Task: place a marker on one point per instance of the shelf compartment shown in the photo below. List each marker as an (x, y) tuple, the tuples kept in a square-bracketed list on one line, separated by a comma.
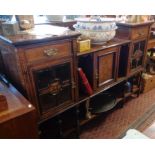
[(123, 60), (102, 103)]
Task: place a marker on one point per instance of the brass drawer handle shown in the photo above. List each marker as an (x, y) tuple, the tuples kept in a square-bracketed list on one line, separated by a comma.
[(141, 33), (51, 52)]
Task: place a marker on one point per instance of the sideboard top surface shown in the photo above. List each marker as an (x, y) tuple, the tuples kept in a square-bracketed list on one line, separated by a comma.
[(112, 43), (126, 24), (17, 104), (40, 34)]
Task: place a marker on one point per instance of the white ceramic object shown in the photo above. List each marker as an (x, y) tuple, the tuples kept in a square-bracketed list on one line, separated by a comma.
[(55, 17), (97, 36), (98, 30)]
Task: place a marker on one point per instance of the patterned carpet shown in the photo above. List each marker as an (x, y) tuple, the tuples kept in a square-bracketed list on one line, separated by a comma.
[(137, 113)]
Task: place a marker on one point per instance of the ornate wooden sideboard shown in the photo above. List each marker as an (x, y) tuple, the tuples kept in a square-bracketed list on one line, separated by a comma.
[(44, 68), (36, 66)]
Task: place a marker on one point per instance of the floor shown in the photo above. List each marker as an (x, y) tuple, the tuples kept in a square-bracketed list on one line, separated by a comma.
[(150, 131), (138, 113)]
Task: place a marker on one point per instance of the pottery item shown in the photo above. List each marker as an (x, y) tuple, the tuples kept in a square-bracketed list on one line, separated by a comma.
[(99, 30), (55, 17)]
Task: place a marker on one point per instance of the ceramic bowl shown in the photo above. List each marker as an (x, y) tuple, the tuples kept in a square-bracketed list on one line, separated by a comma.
[(55, 17), (101, 30), (97, 36)]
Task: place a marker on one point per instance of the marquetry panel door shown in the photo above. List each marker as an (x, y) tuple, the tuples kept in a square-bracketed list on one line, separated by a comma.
[(138, 54), (106, 66), (53, 86)]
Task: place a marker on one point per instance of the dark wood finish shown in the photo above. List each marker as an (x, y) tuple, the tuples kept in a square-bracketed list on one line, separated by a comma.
[(19, 119), (138, 33), (52, 51), (1, 63), (32, 76), (132, 25), (112, 43), (77, 122), (93, 62), (26, 55), (3, 103), (65, 23), (36, 37), (106, 66), (138, 54), (9, 58), (124, 60)]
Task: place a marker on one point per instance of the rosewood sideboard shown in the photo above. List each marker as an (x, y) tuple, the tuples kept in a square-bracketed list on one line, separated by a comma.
[(45, 70)]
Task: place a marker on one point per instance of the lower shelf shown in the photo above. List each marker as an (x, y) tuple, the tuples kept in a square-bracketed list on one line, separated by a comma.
[(85, 114), (118, 100), (102, 103)]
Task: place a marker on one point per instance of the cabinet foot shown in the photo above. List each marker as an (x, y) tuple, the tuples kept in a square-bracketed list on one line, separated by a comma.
[(77, 123), (59, 121)]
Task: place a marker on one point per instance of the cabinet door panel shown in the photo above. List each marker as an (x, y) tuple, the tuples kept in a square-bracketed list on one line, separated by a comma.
[(53, 86), (106, 62), (138, 54), (105, 68)]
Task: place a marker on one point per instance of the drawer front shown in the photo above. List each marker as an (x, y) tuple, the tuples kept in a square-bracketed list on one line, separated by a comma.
[(139, 32), (48, 52)]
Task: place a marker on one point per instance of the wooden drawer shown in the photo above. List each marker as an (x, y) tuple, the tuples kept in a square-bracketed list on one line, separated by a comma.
[(139, 32), (48, 51)]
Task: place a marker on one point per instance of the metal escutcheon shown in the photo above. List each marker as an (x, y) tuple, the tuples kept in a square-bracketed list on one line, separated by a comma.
[(51, 52)]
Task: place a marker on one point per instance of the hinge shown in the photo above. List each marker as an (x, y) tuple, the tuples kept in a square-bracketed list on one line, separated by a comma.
[(73, 85), (97, 76)]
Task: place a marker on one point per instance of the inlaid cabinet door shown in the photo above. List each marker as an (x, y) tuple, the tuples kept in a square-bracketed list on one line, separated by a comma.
[(106, 66), (53, 89), (138, 54)]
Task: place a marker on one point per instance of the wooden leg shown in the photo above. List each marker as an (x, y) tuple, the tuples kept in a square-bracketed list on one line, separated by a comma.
[(88, 113), (124, 97), (60, 126), (139, 84), (77, 122)]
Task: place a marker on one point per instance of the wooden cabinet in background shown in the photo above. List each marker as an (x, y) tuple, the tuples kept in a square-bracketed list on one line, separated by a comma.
[(1, 64), (138, 33), (19, 119), (138, 54)]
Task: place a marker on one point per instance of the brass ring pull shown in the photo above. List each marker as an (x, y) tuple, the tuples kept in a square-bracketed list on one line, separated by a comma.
[(141, 33), (51, 52)]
